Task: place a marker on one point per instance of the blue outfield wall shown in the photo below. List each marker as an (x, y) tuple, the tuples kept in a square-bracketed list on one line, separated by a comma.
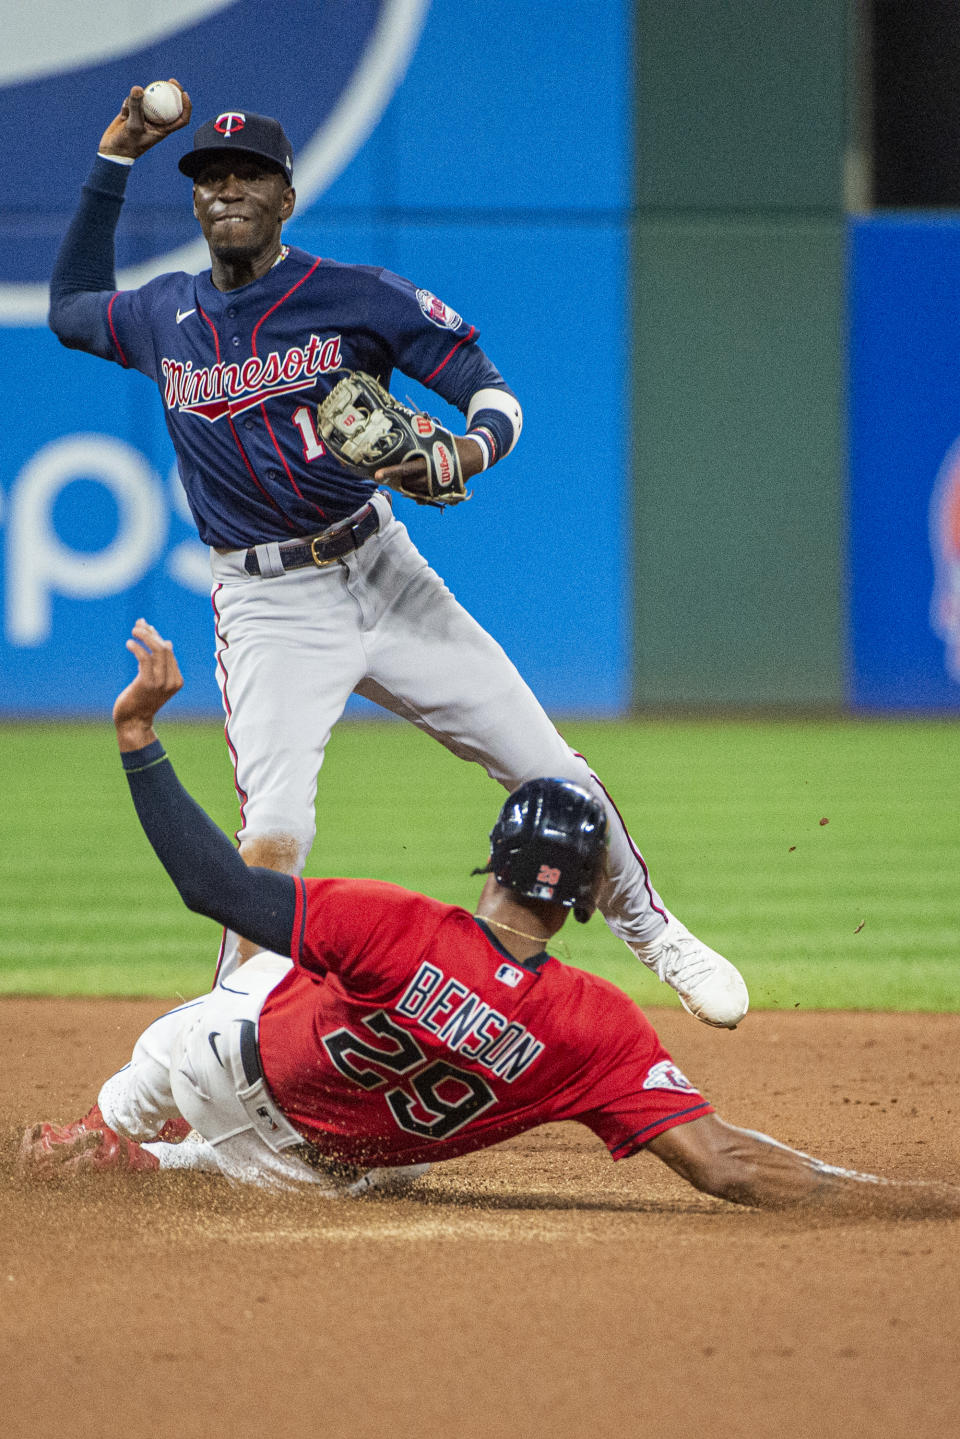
[(513, 207), (904, 438), (500, 177)]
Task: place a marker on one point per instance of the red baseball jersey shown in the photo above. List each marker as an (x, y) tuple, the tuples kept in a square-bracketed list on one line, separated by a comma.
[(406, 1033)]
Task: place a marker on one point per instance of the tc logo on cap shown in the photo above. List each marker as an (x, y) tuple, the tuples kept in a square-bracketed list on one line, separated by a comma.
[(229, 121)]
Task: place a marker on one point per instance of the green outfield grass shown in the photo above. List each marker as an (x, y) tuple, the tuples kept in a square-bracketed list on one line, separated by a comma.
[(861, 912)]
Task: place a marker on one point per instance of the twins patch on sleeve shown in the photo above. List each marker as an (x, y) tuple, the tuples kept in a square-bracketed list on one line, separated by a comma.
[(437, 312)]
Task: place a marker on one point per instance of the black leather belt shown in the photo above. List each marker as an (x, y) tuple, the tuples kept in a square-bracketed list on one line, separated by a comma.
[(250, 1052), (307, 1152), (322, 549)]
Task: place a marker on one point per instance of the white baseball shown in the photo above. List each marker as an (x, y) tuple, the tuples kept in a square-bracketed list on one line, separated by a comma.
[(162, 102)]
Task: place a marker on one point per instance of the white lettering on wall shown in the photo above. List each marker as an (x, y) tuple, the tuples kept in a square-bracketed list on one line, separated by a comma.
[(39, 565)]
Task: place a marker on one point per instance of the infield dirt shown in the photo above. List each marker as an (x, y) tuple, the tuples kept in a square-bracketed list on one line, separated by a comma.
[(536, 1288)]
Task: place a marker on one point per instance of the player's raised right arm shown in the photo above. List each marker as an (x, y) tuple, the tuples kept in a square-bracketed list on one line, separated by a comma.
[(84, 277)]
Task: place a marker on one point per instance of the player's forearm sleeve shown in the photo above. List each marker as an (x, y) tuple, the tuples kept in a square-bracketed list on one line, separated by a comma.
[(208, 872), (85, 268), (478, 389), (497, 411)]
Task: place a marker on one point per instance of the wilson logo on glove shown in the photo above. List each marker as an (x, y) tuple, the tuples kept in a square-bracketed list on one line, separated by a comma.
[(444, 464), (369, 431)]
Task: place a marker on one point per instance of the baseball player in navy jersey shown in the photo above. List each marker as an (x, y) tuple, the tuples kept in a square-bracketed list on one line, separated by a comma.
[(401, 1031), (317, 589)]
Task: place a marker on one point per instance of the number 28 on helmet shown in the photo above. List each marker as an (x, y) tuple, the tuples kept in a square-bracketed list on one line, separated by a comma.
[(550, 843)]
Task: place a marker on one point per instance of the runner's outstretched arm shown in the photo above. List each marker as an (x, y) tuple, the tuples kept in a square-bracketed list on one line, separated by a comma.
[(746, 1167), (207, 870)]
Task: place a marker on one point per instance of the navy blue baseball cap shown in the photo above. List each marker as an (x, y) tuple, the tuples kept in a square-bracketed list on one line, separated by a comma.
[(242, 132)]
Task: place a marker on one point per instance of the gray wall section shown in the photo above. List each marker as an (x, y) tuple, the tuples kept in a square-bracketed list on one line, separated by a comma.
[(738, 370)]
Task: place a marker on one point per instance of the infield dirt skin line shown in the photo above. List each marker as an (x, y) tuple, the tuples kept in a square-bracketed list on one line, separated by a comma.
[(534, 1289)]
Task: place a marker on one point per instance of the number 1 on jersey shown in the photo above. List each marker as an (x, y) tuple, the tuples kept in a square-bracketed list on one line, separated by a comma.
[(313, 446)]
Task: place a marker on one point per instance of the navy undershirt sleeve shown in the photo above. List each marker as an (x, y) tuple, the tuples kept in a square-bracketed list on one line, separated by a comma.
[(85, 267), (207, 870)]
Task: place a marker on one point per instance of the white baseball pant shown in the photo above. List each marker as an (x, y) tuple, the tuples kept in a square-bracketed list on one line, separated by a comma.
[(195, 1062), (292, 648)]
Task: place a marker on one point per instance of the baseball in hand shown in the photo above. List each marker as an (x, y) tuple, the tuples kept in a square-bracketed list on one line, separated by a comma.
[(162, 102)]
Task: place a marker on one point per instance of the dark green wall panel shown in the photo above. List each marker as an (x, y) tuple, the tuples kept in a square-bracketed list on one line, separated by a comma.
[(740, 104), (738, 344), (737, 399)]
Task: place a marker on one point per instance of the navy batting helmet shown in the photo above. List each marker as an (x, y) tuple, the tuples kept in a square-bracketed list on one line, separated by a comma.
[(550, 843)]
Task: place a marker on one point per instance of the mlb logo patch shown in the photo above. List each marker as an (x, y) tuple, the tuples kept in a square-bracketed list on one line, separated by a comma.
[(508, 975)]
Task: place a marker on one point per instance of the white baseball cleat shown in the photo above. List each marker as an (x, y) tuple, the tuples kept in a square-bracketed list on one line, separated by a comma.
[(709, 986)]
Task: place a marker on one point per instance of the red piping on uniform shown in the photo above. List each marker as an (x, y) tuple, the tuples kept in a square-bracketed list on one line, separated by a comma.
[(466, 339), (283, 460), (633, 848), (220, 953), (241, 793), (263, 406), (123, 359), (223, 646), (277, 303), (236, 438)]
